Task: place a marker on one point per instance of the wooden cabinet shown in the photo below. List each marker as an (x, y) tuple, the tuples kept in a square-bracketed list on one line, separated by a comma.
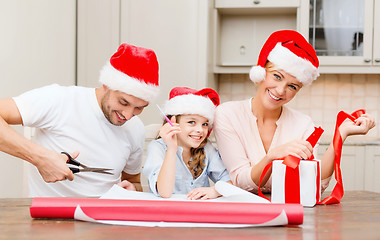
[(241, 28), (345, 34)]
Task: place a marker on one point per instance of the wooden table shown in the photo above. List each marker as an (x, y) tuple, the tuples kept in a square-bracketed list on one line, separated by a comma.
[(357, 217)]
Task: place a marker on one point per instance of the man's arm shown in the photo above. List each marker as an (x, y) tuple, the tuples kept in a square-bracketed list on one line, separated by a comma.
[(134, 179), (51, 165)]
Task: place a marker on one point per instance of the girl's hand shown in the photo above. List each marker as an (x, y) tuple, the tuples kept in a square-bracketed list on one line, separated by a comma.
[(360, 127), (298, 148), (168, 133), (203, 193)]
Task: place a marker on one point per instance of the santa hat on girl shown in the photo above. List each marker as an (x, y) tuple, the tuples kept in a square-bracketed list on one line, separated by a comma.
[(288, 50), (184, 100), (132, 70)]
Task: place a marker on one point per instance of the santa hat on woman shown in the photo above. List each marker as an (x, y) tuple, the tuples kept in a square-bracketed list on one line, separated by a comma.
[(287, 50), (184, 100), (132, 70)]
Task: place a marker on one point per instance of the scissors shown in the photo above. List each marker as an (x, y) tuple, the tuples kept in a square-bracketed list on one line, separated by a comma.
[(84, 168)]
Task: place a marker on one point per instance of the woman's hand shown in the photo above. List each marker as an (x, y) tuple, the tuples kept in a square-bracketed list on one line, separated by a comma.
[(361, 126), (203, 193), (298, 148), (168, 133)]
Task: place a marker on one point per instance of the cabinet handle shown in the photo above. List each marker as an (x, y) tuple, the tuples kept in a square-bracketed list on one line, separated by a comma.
[(377, 59), (242, 50), (256, 2), (367, 60)]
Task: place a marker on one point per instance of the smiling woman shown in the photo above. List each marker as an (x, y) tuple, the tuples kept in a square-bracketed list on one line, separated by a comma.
[(254, 132)]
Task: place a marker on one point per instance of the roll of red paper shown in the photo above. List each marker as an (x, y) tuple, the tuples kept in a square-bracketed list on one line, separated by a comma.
[(166, 211)]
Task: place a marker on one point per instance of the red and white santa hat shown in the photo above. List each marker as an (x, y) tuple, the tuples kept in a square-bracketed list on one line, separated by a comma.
[(184, 100), (132, 70), (288, 50)]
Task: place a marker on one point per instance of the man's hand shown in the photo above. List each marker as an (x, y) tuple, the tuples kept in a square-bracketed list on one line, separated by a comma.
[(127, 179), (127, 185), (54, 168)]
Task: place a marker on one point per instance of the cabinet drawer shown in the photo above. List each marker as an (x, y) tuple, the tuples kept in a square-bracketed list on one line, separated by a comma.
[(255, 3)]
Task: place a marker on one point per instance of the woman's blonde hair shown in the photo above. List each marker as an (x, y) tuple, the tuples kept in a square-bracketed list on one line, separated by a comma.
[(270, 67), (198, 155)]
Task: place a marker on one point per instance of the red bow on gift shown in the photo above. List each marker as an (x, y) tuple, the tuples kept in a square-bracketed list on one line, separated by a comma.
[(292, 182)]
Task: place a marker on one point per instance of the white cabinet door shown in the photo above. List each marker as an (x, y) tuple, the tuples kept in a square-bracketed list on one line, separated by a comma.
[(352, 167), (37, 47), (372, 168), (376, 35), (98, 38), (344, 34), (178, 32)]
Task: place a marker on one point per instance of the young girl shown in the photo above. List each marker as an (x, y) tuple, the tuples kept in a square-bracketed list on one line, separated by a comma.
[(253, 132), (182, 160)]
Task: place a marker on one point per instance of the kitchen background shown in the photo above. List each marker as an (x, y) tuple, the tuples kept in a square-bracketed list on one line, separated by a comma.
[(199, 43)]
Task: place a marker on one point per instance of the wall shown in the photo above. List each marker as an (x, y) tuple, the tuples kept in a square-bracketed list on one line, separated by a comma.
[(329, 94)]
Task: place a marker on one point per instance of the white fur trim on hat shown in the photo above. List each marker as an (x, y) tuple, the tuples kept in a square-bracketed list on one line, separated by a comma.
[(257, 74), (119, 81), (298, 67), (191, 104)]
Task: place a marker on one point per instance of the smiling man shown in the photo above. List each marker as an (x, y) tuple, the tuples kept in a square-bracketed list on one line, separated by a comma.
[(98, 127)]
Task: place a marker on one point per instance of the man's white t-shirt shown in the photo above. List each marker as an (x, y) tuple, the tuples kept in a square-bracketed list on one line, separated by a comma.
[(70, 119)]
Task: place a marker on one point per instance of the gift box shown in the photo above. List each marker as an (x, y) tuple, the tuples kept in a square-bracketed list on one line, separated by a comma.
[(301, 184)]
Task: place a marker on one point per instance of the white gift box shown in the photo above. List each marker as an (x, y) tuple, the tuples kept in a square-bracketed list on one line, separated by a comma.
[(309, 182)]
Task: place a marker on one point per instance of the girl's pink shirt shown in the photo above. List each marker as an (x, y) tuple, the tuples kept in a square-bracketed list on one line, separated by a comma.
[(239, 141)]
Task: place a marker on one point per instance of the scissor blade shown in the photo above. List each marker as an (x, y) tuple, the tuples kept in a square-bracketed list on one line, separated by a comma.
[(97, 170)]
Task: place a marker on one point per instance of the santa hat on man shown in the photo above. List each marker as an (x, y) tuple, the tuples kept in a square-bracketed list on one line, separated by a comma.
[(288, 50), (184, 100), (132, 70)]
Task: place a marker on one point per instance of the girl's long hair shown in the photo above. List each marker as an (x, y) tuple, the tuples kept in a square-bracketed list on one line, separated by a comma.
[(198, 155)]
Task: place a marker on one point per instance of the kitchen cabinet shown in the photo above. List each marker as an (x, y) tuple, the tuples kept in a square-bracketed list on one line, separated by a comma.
[(98, 37), (360, 164), (345, 34), (351, 165), (38, 44), (242, 26), (372, 168), (176, 30)]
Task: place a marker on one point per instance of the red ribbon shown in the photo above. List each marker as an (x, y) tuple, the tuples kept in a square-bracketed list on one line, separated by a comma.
[(338, 191), (292, 181), (292, 184)]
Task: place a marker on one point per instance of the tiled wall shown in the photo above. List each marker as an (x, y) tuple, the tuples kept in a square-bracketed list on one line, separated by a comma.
[(329, 94)]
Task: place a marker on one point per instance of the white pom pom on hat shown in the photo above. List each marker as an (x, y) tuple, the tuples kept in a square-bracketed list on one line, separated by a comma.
[(132, 70), (287, 50)]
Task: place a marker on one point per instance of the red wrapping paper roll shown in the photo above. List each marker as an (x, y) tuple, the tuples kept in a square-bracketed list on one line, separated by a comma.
[(166, 211)]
